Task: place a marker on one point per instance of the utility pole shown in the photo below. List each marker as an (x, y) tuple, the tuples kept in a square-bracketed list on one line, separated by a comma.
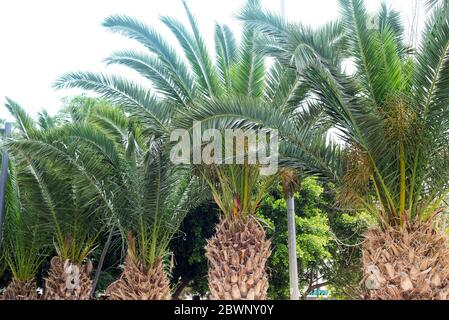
[(3, 179)]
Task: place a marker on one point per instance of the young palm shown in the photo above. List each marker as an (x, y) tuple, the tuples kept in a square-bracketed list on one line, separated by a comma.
[(154, 197), (160, 196), (71, 179), (26, 243), (392, 116)]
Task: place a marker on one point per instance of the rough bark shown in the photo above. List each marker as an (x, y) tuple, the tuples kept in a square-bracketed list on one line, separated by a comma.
[(21, 290), (68, 281), (136, 283), (237, 256), (409, 263)]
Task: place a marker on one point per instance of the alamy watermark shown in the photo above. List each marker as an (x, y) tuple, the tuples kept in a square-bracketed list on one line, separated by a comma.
[(227, 147)]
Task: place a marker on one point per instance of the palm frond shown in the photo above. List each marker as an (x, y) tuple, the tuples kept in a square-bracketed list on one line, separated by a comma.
[(155, 71), (132, 97), (226, 54), (155, 43), (197, 55), (23, 121)]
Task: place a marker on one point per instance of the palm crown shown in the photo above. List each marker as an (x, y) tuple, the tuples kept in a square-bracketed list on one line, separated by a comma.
[(390, 113)]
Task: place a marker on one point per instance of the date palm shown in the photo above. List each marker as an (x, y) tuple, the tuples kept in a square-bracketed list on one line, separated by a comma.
[(57, 158), (392, 116), (26, 242), (157, 196), (237, 85), (116, 163)]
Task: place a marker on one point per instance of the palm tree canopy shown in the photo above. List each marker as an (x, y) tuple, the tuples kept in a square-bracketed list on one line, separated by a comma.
[(103, 168), (194, 85), (391, 113)]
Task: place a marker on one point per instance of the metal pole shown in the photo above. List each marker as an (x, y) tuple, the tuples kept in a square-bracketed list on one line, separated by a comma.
[(3, 178), (292, 256)]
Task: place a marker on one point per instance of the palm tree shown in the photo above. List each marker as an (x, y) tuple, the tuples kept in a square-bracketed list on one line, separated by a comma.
[(72, 196), (239, 250), (26, 242), (380, 114), (156, 197), (392, 116), (290, 183), (107, 159), (189, 83), (395, 126), (154, 221)]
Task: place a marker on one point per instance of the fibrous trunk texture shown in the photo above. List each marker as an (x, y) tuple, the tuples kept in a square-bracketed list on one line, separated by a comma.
[(67, 281), (237, 256), (21, 290), (410, 263), (136, 283)]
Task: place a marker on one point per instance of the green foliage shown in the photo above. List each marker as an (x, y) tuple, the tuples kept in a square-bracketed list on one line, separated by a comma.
[(27, 236), (238, 189), (433, 4), (188, 248), (345, 269), (328, 242), (100, 169)]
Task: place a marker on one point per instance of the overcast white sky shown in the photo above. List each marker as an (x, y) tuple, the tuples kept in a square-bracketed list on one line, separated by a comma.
[(40, 40)]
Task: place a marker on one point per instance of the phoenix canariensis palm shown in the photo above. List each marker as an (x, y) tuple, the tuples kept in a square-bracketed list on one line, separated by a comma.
[(72, 180), (26, 241), (239, 250), (115, 157), (155, 218), (155, 197), (392, 116), (191, 84), (158, 196)]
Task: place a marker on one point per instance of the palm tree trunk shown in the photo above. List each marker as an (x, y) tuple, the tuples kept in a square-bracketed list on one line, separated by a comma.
[(20, 290), (68, 281), (139, 283), (237, 256), (408, 263), (292, 256)]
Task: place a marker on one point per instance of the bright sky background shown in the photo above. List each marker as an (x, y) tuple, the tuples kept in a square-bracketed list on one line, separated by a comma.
[(42, 39)]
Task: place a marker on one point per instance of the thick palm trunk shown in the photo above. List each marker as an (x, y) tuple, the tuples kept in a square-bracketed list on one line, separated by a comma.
[(237, 257), (21, 290), (406, 264), (136, 283), (67, 281)]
